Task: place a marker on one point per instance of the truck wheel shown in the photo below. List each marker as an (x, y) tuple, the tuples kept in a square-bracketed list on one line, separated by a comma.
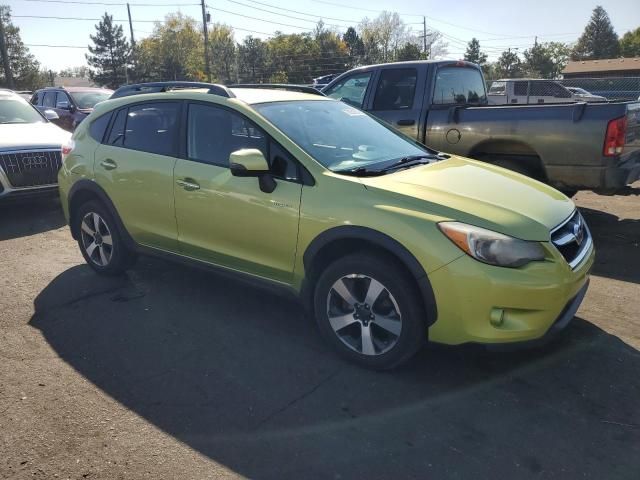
[(369, 310), (100, 241)]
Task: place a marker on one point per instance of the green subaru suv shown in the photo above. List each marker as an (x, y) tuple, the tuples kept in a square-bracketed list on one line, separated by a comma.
[(387, 242)]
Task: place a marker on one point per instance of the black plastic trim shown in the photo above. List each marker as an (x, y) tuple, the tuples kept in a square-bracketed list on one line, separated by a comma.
[(381, 240)]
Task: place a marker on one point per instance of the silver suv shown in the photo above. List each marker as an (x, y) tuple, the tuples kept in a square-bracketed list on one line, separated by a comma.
[(30, 148)]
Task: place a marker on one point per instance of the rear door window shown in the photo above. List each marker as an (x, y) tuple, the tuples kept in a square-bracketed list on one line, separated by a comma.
[(351, 89), (153, 128), (98, 127), (396, 89), (520, 88), (459, 85)]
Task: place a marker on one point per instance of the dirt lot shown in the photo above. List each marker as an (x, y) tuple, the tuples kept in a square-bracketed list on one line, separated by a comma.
[(175, 373)]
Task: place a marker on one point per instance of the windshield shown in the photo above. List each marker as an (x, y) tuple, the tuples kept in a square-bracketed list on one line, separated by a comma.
[(337, 135), (88, 99), (14, 109)]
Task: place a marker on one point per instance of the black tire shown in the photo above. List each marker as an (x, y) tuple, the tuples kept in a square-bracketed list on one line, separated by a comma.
[(120, 258), (399, 287)]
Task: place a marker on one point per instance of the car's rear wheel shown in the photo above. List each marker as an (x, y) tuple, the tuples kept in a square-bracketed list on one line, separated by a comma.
[(100, 241), (369, 309)]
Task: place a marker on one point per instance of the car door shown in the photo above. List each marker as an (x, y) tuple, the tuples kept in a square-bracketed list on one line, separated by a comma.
[(351, 89), (398, 98), (63, 109), (134, 165), (227, 220)]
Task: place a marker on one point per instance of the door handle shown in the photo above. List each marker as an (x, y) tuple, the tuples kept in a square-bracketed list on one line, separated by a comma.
[(188, 184), (407, 121), (108, 164)]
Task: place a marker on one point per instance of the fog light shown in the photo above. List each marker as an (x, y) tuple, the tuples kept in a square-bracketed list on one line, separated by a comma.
[(497, 317)]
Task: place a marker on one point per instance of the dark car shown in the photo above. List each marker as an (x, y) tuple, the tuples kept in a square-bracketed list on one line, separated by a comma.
[(72, 104)]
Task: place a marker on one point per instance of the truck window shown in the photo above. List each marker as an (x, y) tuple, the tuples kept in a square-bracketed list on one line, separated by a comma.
[(498, 88), (459, 85), (396, 89), (352, 89), (520, 89)]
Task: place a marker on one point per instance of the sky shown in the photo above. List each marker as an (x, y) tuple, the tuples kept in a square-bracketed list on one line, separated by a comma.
[(498, 25)]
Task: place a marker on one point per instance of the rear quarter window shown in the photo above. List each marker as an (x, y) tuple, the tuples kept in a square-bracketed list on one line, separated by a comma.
[(98, 127)]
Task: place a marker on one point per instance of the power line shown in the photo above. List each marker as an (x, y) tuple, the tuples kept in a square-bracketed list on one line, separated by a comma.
[(255, 18), (283, 14), (303, 13), (116, 4)]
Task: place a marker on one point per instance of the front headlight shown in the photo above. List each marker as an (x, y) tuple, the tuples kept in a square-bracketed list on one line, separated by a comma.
[(492, 247)]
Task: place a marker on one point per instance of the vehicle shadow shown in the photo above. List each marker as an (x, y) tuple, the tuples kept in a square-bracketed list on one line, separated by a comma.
[(241, 375), (617, 245), (21, 218)]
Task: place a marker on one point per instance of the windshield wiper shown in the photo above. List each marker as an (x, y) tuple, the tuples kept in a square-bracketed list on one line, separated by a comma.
[(359, 172), (413, 160)]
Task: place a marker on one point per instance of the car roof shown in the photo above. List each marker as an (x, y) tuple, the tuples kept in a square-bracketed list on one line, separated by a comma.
[(77, 89), (264, 95)]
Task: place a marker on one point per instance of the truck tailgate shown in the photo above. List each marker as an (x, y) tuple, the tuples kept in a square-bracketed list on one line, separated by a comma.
[(632, 137)]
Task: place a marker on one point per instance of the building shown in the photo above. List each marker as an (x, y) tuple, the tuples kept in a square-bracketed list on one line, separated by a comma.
[(607, 67), (72, 82)]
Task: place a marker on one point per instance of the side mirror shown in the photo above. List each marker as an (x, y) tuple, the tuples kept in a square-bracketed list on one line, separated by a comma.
[(50, 115), (250, 162)]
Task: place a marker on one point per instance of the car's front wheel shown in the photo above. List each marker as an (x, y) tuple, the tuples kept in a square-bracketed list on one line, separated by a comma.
[(369, 309), (100, 241)]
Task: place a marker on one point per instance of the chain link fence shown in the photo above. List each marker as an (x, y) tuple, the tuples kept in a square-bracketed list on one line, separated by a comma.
[(612, 88)]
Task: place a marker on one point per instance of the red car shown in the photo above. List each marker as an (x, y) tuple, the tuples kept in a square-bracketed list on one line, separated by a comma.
[(72, 104)]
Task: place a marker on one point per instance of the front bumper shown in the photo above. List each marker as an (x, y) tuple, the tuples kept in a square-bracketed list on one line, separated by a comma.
[(481, 303)]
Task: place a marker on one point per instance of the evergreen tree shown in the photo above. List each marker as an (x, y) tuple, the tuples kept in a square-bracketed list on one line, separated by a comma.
[(598, 40), (110, 53), (474, 54), (355, 47), (409, 51)]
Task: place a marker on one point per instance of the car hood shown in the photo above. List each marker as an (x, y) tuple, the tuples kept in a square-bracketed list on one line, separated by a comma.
[(20, 136), (479, 194)]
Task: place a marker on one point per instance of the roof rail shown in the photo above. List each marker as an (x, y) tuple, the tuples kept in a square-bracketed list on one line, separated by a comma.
[(157, 87), (280, 86)]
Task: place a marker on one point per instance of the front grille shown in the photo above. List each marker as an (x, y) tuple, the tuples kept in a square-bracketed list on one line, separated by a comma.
[(31, 168), (572, 238)]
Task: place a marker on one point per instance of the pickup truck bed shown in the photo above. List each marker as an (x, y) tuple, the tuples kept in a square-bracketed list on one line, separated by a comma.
[(442, 104)]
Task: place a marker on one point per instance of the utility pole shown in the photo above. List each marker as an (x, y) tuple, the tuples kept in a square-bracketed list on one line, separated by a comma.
[(133, 41), (424, 35), (8, 76), (535, 44), (133, 47), (206, 42)]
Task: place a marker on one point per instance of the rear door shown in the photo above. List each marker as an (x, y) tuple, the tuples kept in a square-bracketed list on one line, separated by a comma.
[(398, 98), (134, 165)]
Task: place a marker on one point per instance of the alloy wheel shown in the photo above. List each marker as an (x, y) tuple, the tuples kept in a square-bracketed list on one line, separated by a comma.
[(364, 314), (96, 239)]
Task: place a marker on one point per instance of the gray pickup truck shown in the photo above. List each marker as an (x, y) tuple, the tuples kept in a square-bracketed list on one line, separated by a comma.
[(443, 104)]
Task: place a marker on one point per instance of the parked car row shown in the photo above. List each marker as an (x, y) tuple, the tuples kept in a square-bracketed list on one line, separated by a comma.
[(335, 197), (524, 91)]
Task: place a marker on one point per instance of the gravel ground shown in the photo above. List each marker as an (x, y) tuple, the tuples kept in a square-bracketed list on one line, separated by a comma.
[(170, 372)]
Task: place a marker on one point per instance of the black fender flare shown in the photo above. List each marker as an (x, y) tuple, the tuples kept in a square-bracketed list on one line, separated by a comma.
[(380, 240), (84, 186)]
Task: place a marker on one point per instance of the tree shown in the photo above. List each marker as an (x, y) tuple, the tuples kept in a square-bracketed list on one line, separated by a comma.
[(409, 51), (109, 56), (174, 51), (546, 60), (509, 65), (252, 59), (598, 40), (474, 54), (355, 47), (223, 52), (79, 72), (24, 68), (630, 43)]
